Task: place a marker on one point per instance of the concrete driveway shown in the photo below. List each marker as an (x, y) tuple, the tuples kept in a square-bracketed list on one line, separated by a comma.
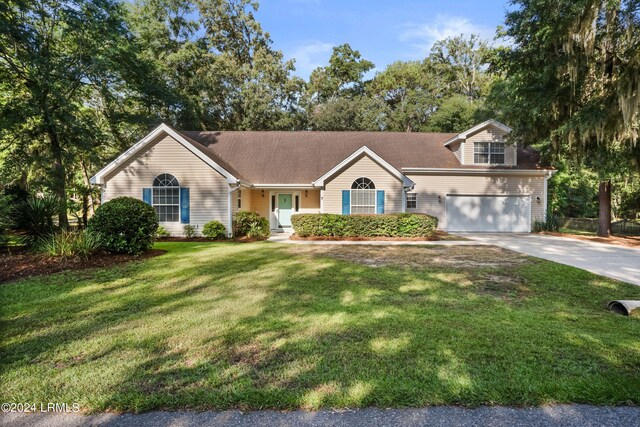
[(616, 262)]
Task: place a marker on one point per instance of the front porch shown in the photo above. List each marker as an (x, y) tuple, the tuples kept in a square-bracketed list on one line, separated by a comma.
[(277, 204)]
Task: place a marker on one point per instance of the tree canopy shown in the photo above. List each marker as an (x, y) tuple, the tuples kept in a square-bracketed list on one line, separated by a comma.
[(571, 81), (82, 80)]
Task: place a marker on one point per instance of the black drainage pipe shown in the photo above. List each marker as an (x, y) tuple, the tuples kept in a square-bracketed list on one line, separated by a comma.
[(624, 307)]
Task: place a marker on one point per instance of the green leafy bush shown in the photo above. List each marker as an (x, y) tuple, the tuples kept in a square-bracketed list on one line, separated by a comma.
[(162, 232), (189, 231), (548, 224), (387, 225), (125, 225), (69, 244), (214, 230), (250, 224), (37, 217), (5, 219)]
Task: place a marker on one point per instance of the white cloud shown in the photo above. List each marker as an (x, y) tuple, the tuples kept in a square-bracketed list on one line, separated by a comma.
[(422, 36), (310, 56)]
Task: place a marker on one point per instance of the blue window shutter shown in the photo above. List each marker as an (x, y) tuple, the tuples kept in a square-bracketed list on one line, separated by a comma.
[(346, 202), (146, 195), (380, 201), (184, 205)]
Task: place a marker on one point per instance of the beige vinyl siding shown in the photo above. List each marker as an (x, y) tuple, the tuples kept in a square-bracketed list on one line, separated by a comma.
[(311, 202), (363, 167), (208, 190), (260, 204), (429, 187), (488, 135), (245, 205)]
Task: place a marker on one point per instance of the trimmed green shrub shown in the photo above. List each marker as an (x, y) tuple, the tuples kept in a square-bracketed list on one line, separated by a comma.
[(125, 225), (250, 224), (387, 225), (189, 231), (69, 244), (214, 230), (162, 232)]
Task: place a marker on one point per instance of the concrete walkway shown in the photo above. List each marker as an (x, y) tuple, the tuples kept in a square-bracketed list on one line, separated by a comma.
[(284, 238), (561, 415), (616, 262)]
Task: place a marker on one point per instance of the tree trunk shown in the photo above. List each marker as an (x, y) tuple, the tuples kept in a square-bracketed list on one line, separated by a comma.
[(604, 195), (85, 210), (87, 183), (59, 178)]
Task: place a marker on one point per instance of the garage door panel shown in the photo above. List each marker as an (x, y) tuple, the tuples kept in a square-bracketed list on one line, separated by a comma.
[(488, 213)]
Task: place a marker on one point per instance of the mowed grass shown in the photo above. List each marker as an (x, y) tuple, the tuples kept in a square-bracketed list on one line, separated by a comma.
[(261, 325)]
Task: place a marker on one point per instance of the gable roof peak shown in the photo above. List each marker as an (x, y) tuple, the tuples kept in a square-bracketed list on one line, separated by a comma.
[(163, 128), (364, 150), (478, 128)]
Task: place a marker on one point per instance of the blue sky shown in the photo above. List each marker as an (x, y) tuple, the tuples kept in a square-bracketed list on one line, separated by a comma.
[(384, 31)]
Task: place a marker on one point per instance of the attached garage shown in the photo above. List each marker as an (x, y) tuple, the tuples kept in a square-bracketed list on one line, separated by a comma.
[(497, 213)]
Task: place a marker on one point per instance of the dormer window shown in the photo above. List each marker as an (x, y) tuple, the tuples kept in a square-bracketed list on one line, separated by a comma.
[(488, 152)]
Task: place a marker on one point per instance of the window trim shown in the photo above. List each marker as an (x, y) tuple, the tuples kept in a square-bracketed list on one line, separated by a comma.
[(164, 188), (490, 153), (414, 201), (370, 185), (239, 198), (371, 190)]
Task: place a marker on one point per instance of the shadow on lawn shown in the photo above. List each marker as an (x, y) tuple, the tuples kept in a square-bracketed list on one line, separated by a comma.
[(259, 327)]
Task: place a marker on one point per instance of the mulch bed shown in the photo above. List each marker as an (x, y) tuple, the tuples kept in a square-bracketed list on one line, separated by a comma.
[(204, 239), (20, 263), (628, 241), (439, 235)]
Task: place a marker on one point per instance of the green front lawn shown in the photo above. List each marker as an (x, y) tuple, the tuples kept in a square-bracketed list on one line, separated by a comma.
[(261, 325)]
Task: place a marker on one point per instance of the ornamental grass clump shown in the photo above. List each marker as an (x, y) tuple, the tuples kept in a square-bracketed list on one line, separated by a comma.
[(67, 244)]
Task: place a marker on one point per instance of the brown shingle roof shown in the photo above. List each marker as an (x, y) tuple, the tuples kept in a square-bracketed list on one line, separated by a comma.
[(281, 157)]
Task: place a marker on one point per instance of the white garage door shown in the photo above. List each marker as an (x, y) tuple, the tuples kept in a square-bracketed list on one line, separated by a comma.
[(488, 213)]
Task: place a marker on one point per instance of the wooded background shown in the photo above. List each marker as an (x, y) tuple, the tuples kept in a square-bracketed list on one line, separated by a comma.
[(82, 80)]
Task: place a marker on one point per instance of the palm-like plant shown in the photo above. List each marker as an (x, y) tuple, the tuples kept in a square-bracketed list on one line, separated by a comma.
[(37, 215)]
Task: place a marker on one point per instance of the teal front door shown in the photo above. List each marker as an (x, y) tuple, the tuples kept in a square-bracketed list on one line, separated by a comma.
[(284, 210)]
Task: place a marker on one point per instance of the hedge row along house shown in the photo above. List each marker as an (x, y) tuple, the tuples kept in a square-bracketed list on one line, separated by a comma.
[(473, 181)]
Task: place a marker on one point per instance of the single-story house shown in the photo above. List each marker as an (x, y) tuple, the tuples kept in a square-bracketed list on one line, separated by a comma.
[(471, 181)]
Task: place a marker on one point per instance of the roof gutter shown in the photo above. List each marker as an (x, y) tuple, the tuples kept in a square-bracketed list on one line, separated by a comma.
[(230, 219), (282, 186), (456, 171)]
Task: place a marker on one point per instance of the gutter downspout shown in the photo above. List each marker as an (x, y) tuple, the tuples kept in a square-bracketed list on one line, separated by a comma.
[(546, 197), (230, 220)]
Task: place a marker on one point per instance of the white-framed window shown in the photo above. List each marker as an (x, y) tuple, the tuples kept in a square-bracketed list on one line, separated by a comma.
[(363, 196), (239, 199), (488, 152), (166, 197), (412, 200)]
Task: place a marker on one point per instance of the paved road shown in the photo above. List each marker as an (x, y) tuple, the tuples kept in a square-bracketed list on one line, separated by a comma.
[(616, 262), (562, 415)]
